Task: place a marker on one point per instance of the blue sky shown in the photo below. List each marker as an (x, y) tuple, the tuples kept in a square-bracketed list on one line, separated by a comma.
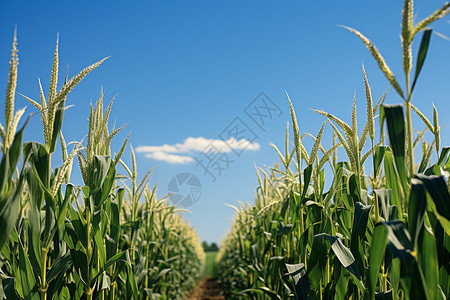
[(184, 71)]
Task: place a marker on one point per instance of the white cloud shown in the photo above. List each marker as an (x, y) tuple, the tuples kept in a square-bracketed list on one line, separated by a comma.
[(171, 153), (170, 158)]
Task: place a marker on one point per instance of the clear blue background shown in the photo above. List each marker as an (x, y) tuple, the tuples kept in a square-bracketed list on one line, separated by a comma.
[(188, 68)]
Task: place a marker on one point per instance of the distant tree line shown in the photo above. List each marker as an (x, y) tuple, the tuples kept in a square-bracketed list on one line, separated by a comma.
[(210, 248)]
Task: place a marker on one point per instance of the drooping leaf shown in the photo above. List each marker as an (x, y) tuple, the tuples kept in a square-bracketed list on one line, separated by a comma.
[(346, 258), (399, 240), (301, 281), (437, 188)]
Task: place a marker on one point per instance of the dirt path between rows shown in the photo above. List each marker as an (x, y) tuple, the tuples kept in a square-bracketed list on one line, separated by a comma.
[(208, 289)]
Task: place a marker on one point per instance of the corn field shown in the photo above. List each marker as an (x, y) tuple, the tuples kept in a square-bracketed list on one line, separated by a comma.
[(378, 229), (378, 235), (110, 238)]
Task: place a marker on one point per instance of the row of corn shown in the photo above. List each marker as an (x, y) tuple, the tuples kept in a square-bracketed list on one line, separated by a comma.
[(383, 234), (110, 238)]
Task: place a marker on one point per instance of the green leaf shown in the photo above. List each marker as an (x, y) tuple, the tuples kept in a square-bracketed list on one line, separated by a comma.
[(443, 254), (378, 158), (360, 218), (426, 156), (444, 157), (317, 261), (80, 262), (283, 229), (59, 267), (11, 158), (123, 256), (62, 207), (114, 235), (376, 254), (437, 188), (396, 130), (100, 171), (9, 292), (132, 281), (427, 261), (400, 244), (382, 119), (394, 274), (39, 160), (103, 178), (423, 49), (34, 233), (10, 206), (353, 189), (298, 274), (79, 228), (416, 208), (346, 258), (64, 294), (25, 281), (261, 291), (99, 240), (10, 196), (49, 225), (388, 212), (57, 124), (384, 295), (159, 276), (393, 180), (307, 178), (342, 283)]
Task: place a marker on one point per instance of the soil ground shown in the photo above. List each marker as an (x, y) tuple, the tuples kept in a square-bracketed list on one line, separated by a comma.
[(208, 289)]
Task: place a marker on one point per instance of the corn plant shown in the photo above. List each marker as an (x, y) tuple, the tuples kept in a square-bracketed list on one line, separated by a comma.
[(95, 222), (151, 230), (45, 183), (134, 196), (383, 235), (62, 241), (408, 33), (8, 132), (10, 189)]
